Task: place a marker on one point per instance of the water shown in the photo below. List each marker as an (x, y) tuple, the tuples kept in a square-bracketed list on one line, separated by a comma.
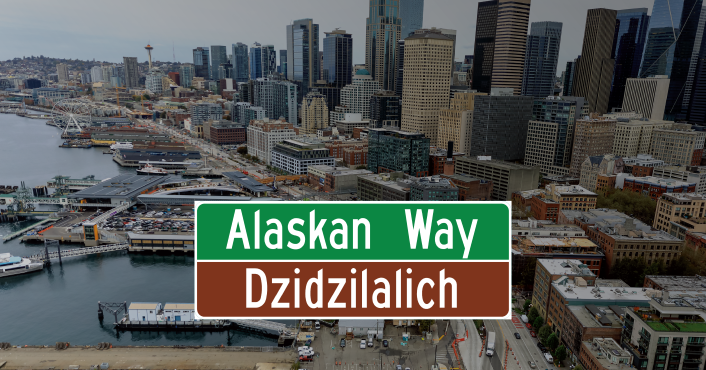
[(61, 302)]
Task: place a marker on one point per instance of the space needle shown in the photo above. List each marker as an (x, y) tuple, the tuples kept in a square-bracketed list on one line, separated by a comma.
[(149, 54)]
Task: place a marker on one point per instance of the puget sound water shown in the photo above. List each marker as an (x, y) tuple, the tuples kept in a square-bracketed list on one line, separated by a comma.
[(60, 304)]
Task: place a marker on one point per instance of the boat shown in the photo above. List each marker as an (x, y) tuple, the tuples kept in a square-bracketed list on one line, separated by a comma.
[(148, 169), (121, 145), (77, 144), (11, 265)]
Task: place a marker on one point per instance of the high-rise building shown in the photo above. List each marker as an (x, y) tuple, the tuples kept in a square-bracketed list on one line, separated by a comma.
[(541, 59), (594, 71), (303, 60), (500, 123), (264, 134), (263, 61), (279, 98), (550, 133), (225, 70), (427, 86), (186, 74), (569, 76), (219, 55), (628, 45), (593, 136), (203, 112), (501, 39), (646, 96), (382, 31), (96, 74), (385, 109), (283, 62), (674, 39), (355, 98), (507, 177), (153, 81), (85, 79), (633, 134), (239, 60), (314, 113), (455, 122), (132, 72), (338, 58), (399, 68), (398, 151), (62, 70), (202, 63), (321, 66), (412, 14), (446, 32)]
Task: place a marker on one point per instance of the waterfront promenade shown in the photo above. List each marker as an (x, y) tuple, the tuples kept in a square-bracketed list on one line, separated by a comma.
[(141, 358)]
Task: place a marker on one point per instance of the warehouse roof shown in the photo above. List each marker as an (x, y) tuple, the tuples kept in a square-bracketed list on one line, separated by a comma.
[(247, 182), (122, 186)]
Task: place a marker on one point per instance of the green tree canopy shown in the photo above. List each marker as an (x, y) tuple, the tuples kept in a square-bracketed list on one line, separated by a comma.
[(544, 333), (560, 353), (525, 307), (243, 150), (552, 341), (639, 206), (538, 322), (533, 314)]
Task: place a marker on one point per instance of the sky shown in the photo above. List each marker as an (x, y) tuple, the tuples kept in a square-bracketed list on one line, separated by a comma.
[(107, 31)]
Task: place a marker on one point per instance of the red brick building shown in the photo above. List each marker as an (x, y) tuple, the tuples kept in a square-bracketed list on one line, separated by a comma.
[(471, 188), (353, 152), (654, 187), (224, 133), (696, 241), (642, 171), (439, 164)]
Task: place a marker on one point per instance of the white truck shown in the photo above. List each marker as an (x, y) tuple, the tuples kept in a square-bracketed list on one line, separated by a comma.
[(490, 344)]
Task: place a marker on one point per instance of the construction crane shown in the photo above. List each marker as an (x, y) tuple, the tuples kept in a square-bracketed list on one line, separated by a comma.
[(117, 96)]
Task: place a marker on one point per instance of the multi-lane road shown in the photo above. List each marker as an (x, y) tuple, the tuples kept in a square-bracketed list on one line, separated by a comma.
[(522, 350)]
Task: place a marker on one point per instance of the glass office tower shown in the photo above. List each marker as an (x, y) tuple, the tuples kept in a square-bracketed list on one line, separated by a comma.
[(412, 15), (239, 61), (628, 45), (541, 59), (303, 53), (218, 56), (672, 49), (338, 57), (202, 63)]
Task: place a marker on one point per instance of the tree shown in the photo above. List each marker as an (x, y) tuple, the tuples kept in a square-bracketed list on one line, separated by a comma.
[(552, 341), (163, 115), (560, 353), (538, 322), (578, 367), (425, 325), (525, 307), (544, 333), (243, 150), (146, 96), (533, 314), (637, 205)]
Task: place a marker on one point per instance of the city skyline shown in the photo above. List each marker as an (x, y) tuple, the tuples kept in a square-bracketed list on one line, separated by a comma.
[(49, 38)]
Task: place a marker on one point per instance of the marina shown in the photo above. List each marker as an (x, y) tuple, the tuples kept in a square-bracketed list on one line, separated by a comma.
[(78, 281)]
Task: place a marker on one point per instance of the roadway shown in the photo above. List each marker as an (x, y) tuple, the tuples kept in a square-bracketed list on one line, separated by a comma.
[(522, 350)]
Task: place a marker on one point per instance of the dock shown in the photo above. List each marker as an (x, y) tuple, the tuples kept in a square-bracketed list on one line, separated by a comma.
[(30, 227), (43, 257), (205, 325)]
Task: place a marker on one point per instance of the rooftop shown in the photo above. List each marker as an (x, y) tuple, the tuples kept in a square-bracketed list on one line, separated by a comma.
[(679, 283), (247, 182), (602, 295), (565, 267), (122, 186), (592, 316), (488, 161), (608, 353), (619, 225), (653, 180)]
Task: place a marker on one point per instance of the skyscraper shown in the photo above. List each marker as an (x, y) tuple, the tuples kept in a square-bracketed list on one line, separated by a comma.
[(672, 49), (314, 112), (455, 122), (382, 30), (338, 57), (96, 74), (501, 39), (569, 75), (240, 62), (427, 86), (303, 60), (628, 45), (594, 71), (283, 63), (186, 74), (263, 61), (399, 68), (279, 98), (132, 73), (218, 57), (412, 14), (202, 66), (541, 59)]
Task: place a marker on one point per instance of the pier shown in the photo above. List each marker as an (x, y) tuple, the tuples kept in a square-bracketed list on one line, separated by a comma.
[(45, 257), (30, 227), (204, 325)]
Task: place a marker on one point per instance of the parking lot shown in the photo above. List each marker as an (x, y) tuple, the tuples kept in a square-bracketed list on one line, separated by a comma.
[(415, 354), (151, 221)]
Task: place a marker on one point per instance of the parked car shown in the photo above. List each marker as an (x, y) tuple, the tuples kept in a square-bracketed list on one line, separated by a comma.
[(306, 358), (532, 365), (362, 344), (317, 325), (343, 342), (370, 343), (533, 334), (385, 343), (398, 367), (517, 335)]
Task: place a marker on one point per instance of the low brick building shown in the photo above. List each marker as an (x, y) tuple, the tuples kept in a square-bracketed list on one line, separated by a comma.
[(224, 132), (604, 354), (654, 187), (471, 188), (334, 179), (583, 323)]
